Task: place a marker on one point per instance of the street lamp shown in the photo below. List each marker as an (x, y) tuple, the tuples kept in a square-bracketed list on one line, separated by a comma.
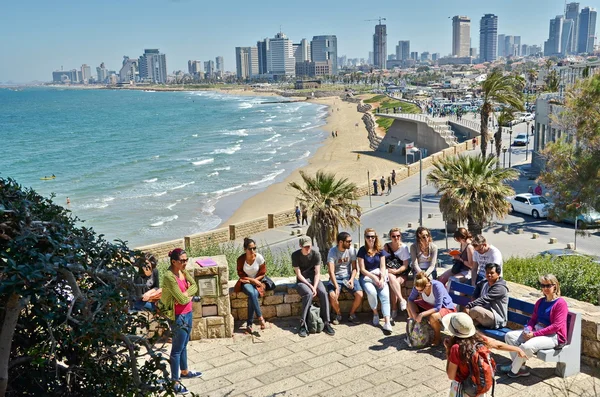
[(527, 145), (492, 145), (510, 147), (504, 160)]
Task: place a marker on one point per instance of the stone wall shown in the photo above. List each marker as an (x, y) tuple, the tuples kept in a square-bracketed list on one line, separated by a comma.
[(216, 236), (281, 218), (161, 250), (245, 229)]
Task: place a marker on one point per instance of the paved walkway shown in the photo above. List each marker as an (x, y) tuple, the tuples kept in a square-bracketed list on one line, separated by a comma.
[(358, 361)]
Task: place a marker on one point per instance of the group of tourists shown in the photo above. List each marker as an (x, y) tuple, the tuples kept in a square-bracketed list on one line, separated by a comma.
[(383, 182)]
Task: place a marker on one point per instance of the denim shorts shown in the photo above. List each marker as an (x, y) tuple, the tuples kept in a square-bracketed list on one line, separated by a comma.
[(340, 282)]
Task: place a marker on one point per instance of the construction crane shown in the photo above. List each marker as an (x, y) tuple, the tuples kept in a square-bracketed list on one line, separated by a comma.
[(372, 20)]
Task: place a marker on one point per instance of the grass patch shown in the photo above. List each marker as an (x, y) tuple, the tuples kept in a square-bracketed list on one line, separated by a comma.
[(384, 122), (579, 277), (376, 98), (385, 102)]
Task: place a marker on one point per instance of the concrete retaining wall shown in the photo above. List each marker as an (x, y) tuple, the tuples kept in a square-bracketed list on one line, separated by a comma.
[(161, 250), (198, 240), (245, 229)]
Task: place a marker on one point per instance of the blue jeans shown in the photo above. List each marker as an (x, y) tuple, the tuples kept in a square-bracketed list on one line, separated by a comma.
[(182, 330), (142, 305), (253, 305), (373, 292)]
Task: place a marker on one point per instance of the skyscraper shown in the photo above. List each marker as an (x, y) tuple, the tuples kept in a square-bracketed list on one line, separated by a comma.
[(501, 45), (102, 73), (280, 56), (243, 58), (403, 50), (323, 49), (209, 69), (86, 73), (129, 71), (587, 30), (380, 46), (194, 67), (262, 47), (488, 37), (219, 66), (153, 66), (552, 46), (302, 51), (566, 38), (461, 36), (572, 13)]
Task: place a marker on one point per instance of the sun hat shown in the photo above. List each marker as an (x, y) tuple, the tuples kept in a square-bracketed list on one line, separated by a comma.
[(305, 241), (459, 325)]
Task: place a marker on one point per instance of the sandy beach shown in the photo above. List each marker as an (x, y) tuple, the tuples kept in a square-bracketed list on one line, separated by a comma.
[(337, 155)]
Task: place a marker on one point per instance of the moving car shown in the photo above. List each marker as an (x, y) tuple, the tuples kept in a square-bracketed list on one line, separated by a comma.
[(520, 140), (530, 204)]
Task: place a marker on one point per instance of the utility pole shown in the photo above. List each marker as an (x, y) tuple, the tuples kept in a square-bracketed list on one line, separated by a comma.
[(369, 188), (420, 187)]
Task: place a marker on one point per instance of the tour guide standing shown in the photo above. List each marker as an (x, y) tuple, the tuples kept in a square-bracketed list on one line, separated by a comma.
[(307, 265)]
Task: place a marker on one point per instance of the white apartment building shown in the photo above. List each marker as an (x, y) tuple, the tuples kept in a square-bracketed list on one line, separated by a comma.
[(280, 56)]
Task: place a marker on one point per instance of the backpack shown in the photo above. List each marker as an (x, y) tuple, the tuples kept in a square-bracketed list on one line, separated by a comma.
[(314, 322), (418, 335), (481, 372)]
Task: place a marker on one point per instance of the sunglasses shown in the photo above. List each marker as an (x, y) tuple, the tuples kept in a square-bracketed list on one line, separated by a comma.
[(183, 260), (395, 236), (546, 285), (147, 267), (423, 234), (370, 236), (252, 248)]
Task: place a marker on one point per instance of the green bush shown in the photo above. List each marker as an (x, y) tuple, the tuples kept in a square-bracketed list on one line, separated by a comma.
[(579, 277)]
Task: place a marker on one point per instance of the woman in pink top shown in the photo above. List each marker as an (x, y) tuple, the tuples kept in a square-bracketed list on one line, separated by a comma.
[(546, 329)]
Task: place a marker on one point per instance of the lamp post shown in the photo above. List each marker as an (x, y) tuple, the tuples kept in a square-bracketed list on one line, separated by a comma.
[(492, 145), (369, 187), (527, 144), (510, 147), (504, 159)]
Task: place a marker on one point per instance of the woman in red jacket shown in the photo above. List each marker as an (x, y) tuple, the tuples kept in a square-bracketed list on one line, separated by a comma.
[(251, 269), (546, 329)]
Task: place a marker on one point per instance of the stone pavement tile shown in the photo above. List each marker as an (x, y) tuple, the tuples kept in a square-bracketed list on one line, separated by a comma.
[(439, 383), (309, 389), (231, 390), (198, 362), (418, 391), (519, 383), (280, 387), (219, 360), (293, 358), (390, 374), (283, 372), (419, 376), (309, 342), (208, 349), (226, 369), (322, 372), (252, 372), (333, 345), (544, 390), (383, 389), (261, 347), (272, 355), (357, 348), (352, 373), (324, 359), (391, 360), (579, 384), (421, 360), (200, 385), (349, 389)]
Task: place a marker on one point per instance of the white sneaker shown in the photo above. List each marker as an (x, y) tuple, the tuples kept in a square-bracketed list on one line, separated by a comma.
[(403, 305), (375, 320), (387, 327)]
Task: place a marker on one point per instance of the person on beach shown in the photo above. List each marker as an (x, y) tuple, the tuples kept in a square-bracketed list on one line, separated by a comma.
[(332, 132), (382, 183), (546, 329), (389, 185), (463, 262), (147, 285), (394, 177), (357, 156), (423, 253), (251, 269), (297, 212), (178, 290), (434, 303), (398, 267), (304, 215), (342, 269), (307, 266), (373, 277), (336, 132)]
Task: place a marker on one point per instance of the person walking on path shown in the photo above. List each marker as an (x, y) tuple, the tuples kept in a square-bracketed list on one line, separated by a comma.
[(375, 186), (178, 290), (382, 183), (297, 212), (389, 185), (307, 266), (394, 177), (251, 269), (538, 190), (305, 215)]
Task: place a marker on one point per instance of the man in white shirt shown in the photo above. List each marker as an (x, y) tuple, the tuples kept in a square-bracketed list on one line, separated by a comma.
[(484, 254)]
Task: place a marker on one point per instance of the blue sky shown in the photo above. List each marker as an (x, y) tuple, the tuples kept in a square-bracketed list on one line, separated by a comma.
[(39, 36)]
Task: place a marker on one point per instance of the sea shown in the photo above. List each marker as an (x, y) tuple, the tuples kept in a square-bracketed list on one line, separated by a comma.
[(146, 167)]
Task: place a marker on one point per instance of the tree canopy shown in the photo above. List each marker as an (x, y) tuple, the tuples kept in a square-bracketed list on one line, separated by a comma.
[(64, 299)]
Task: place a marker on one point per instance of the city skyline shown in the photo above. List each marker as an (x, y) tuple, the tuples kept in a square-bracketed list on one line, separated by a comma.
[(96, 34)]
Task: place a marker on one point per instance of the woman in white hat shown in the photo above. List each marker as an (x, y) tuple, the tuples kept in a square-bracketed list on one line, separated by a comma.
[(464, 340)]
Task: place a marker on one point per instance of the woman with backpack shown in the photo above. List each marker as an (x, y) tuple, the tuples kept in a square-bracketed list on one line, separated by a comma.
[(470, 366), (546, 329), (434, 303), (251, 269), (397, 268)]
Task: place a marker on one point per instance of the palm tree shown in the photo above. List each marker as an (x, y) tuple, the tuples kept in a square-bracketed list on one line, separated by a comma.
[(330, 203), (552, 81), (505, 117), (473, 190), (499, 89)]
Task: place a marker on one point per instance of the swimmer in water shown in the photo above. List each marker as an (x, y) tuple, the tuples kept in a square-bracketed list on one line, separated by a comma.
[(68, 201)]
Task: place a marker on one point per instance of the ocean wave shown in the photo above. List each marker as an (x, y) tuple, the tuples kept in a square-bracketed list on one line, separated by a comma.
[(271, 138), (245, 105), (106, 199), (195, 135), (240, 132), (98, 205), (267, 178), (223, 168), (158, 194), (228, 190), (268, 120), (269, 152), (205, 161), (170, 206), (182, 186), (294, 143), (229, 150), (163, 220), (151, 180), (304, 155), (267, 159), (213, 173)]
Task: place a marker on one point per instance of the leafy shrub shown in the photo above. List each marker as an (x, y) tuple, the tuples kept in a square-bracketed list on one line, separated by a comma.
[(579, 277)]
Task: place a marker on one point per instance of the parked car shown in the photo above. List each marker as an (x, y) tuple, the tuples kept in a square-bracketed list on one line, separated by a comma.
[(528, 117), (530, 204), (520, 140), (564, 252), (586, 220)]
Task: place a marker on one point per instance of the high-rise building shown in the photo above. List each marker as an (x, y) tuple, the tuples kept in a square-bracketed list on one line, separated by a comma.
[(370, 59), (219, 65), (302, 51), (209, 69), (65, 76), (435, 56), (262, 47), (153, 66), (425, 56), (473, 52), (586, 33), (572, 13), (403, 50), (102, 73), (501, 45), (324, 49), (461, 36), (86, 73), (512, 45), (414, 55), (195, 68), (380, 46), (566, 37), (342, 61), (488, 37), (129, 70), (242, 62), (552, 46), (280, 56)]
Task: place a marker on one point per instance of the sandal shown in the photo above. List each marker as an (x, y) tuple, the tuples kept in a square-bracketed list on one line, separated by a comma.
[(263, 324), (248, 330)]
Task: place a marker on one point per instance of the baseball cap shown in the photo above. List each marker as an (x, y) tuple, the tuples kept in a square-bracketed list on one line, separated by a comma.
[(305, 241)]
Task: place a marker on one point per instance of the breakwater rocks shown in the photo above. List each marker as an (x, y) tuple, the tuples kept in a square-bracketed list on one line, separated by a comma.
[(370, 124), (363, 107)]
